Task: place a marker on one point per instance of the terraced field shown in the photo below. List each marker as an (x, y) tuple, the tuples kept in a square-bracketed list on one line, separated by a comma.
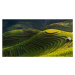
[(65, 26), (47, 43), (14, 37)]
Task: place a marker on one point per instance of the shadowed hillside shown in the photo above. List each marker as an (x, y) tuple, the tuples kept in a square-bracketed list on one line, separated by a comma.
[(65, 26), (11, 24), (17, 36)]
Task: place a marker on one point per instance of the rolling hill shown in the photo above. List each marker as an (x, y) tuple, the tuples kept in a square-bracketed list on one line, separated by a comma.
[(47, 43), (65, 26), (17, 36), (13, 24)]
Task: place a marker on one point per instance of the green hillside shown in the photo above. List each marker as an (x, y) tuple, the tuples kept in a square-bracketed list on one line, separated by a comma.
[(50, 43), (65, 26), (17, 36)]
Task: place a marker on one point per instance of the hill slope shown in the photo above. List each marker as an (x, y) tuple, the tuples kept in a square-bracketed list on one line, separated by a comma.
[(17, 36), (11, 24), (65, 26), (50, 42)]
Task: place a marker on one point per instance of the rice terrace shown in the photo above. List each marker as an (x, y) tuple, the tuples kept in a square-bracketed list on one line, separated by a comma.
[(37, 38)]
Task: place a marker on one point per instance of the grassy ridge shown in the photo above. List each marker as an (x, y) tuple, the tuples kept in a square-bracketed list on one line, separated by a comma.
[(65, 26), (43, 44), (17, 36)]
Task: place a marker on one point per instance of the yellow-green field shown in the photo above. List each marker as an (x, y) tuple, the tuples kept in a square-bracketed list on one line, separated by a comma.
[(47, 43)]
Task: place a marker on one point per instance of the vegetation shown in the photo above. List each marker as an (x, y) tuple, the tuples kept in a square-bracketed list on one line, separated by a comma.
[(50, 42), (65, 26), (17, 36)]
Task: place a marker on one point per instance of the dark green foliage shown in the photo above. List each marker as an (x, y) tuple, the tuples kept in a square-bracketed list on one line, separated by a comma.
[(65, 26), (18, 36)]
